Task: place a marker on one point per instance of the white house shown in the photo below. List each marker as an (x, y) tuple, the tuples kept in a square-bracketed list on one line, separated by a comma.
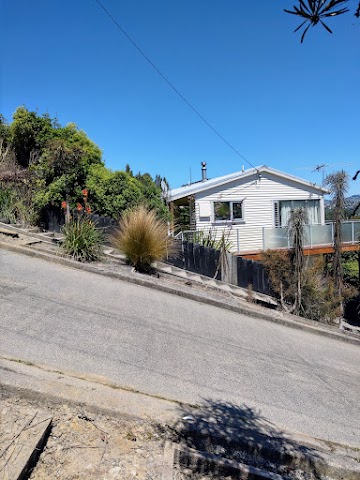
[(250, 207)]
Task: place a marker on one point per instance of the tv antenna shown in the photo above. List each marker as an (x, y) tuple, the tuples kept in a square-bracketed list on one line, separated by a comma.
[(322, 167)]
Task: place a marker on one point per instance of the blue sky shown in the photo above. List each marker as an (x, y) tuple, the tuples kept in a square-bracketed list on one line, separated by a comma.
[(287, 105)]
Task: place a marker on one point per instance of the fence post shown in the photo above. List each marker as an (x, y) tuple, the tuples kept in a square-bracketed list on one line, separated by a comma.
[(352, 232), (191, 259), (263, 238), (239, 262), (250, 273), (256, 279)]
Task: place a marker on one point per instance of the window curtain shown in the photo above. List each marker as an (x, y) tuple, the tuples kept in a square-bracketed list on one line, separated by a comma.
[(285, 208), (312, 209)]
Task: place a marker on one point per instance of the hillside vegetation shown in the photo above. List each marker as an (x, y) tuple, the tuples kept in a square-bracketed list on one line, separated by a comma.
[(45, 168)]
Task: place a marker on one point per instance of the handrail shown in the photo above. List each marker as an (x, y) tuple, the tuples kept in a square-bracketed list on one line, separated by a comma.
[(315, 234)]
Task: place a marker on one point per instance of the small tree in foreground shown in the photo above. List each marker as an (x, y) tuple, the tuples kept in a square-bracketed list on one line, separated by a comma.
[(296, 232), (143, 238), (338, 183), (286, 269)]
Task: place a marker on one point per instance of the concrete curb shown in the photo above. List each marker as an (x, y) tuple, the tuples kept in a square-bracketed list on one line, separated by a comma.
[(227, 304), (49, 385)]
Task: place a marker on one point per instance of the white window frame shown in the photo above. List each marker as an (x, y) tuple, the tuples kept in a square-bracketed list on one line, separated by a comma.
[(231, 220), (276, 208)]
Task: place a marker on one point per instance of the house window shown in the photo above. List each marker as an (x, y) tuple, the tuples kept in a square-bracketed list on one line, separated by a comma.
[(228, 211), (282, 209)]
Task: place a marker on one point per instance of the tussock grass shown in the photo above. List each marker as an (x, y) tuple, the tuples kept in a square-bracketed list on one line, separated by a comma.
[(143, 238)]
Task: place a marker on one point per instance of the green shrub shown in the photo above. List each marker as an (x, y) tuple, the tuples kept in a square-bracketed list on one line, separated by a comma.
[(143, 238), (7, 212), (82, 240), (16, 206), (318, 299)]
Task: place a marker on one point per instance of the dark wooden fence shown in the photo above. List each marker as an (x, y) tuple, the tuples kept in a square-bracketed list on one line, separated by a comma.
[(252, 273), (239, 271), (198, 259), (53, 220)]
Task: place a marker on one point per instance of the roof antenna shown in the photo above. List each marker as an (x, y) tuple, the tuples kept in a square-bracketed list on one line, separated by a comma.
[(189, 175), (243, 168)]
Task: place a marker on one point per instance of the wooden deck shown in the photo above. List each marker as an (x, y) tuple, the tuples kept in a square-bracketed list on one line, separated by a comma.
[(318, 250)]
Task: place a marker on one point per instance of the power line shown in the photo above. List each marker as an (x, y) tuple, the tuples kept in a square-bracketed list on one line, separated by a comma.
[(171, 85)]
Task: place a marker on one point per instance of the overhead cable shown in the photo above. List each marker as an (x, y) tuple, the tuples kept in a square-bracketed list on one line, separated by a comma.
[(171, 85)]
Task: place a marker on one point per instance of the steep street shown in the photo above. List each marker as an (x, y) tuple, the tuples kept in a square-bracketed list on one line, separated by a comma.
[(177, 348)]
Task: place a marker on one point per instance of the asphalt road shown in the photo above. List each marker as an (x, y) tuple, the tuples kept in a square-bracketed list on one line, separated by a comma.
[(177, 348)]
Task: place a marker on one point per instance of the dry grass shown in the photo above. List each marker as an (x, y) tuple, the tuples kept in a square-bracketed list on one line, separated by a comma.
[(143, 238)]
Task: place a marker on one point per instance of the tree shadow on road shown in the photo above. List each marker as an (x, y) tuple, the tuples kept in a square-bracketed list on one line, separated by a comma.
[(241, 434)]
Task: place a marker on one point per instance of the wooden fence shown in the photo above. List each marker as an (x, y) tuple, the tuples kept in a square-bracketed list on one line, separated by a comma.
[(53, 220), (238, 271)]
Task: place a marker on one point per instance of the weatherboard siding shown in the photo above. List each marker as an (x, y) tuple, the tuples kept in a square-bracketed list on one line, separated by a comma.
[(258, 198)]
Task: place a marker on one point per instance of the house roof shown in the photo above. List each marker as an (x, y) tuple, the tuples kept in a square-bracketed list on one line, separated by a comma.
[(177, 193)]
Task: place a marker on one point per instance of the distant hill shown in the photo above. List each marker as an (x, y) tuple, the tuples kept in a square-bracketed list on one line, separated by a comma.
[(351, 202)]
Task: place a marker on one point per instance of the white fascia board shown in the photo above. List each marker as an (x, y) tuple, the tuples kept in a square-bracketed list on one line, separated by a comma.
[(188, 190)]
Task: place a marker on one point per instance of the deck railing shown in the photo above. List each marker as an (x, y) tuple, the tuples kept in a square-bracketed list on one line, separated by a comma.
[(315, 235), (277, 237)]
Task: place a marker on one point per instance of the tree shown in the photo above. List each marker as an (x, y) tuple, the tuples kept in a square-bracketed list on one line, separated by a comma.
[(313, 12), (111, 193), (7, 155), (153, 194), (29, 134), (6, 152), (61, 171), (338, 184), (56, 165), (286, 269), (4, 128), (296, 232), (128, 170)]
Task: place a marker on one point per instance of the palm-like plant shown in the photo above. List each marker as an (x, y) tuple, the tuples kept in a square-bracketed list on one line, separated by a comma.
[(314, 11), (338, 184), (296, 231)]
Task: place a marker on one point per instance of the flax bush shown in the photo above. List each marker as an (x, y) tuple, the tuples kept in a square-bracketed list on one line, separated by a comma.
[(82, 240), (143, 238), (209, 239)]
